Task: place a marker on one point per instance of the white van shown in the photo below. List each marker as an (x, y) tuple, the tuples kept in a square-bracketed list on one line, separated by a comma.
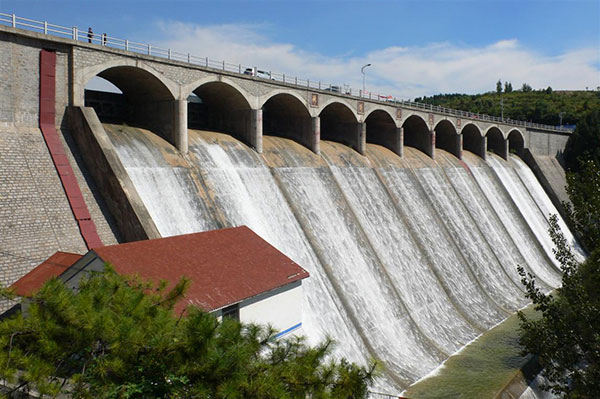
[(258, 73)]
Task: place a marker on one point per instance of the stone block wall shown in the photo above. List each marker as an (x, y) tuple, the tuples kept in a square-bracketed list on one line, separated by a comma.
[(35, 217)]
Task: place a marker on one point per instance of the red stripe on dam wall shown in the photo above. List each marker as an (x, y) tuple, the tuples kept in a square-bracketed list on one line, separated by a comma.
[(57, 152)]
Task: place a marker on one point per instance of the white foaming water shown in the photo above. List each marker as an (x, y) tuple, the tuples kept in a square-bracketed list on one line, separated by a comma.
[(470, 240), (165, 190), (449, 265), (342, 247), (388, 281), (405, 264), (247, 194), (489, 225), (544, 203), (529, 209), (515, 225)]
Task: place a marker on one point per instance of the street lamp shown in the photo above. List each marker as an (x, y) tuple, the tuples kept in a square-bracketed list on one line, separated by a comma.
[(560, 115), (362, 70)]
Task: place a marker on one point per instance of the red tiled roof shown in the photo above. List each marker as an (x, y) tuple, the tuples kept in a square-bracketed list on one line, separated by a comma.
[(225, 266), (51, 267)]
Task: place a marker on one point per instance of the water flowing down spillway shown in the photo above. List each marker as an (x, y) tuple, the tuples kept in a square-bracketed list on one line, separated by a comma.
[(410, 258)]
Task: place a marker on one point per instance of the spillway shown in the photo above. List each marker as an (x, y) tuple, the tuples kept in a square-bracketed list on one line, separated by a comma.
[(410, 258)]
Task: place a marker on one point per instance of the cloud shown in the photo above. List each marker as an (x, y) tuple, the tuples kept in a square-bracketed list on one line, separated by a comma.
[(404, 72)]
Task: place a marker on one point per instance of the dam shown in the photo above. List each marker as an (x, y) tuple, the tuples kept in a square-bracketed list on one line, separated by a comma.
[(411, 227), (410, 258)]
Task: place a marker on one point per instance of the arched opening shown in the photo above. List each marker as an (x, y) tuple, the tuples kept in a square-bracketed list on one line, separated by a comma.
[(381, 129), (219, 107), (417, 134), (106, 99), (285, 116), (496, 142), (516, 143), (447, 138), (473, 140), (126, 94), (339, 124)]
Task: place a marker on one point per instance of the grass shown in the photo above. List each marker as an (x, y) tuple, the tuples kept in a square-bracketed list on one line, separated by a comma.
[(481, 370)]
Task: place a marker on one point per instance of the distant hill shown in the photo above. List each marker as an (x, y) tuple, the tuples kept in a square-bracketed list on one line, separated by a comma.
[(539, 106)]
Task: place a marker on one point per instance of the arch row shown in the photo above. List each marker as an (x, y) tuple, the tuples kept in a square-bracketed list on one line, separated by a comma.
[(221, 103)]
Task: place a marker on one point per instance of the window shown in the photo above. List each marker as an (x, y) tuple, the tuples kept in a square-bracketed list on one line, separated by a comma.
[(231, 312)]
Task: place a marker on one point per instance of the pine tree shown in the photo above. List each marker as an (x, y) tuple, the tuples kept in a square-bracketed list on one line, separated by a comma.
[(117, 337)]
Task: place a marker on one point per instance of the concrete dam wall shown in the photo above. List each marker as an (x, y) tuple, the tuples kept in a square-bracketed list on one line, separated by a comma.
[(410, 258)]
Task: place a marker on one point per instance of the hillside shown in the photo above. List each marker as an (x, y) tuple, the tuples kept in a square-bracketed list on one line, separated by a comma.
[(539, 106)]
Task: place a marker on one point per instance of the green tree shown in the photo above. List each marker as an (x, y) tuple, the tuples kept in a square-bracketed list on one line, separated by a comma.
[(508, 87), (584, 143), (583, 188), (565, 337), (499, 86), (526, 88), (117, 337), (536, 106)]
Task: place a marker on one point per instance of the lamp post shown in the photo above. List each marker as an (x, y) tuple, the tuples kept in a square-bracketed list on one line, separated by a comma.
[(560, 115), (362, 70)]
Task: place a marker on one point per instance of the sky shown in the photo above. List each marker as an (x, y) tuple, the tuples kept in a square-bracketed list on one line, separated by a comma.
[(416, 48)]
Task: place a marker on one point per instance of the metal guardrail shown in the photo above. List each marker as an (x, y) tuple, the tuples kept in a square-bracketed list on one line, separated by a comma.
[(144, 48)]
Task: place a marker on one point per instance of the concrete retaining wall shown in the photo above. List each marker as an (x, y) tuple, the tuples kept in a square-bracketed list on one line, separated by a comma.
[(546, 143), (119, 193)]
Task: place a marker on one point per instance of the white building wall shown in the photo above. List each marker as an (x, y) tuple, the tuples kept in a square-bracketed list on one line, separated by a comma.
[(281, 308)]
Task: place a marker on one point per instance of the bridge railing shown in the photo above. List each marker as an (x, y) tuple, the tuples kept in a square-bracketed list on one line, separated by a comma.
[(144, 48)]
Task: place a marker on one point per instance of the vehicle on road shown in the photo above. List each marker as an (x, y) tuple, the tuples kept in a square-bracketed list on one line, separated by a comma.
[(258, 73)]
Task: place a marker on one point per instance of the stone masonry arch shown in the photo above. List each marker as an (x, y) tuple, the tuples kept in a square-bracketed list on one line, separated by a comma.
[(82, 76), (222, 107), (338, 122), (328, 100), (263, 99), (473, 139), (190, 88), (370, 110), (285, 115), (148, 99), (496, 142), (181, 79), (516, 141), (381, 128), (417, 134), (448, 138)]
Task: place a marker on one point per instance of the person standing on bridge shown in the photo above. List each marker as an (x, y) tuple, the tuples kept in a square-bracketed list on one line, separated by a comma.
[(90, 34)]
